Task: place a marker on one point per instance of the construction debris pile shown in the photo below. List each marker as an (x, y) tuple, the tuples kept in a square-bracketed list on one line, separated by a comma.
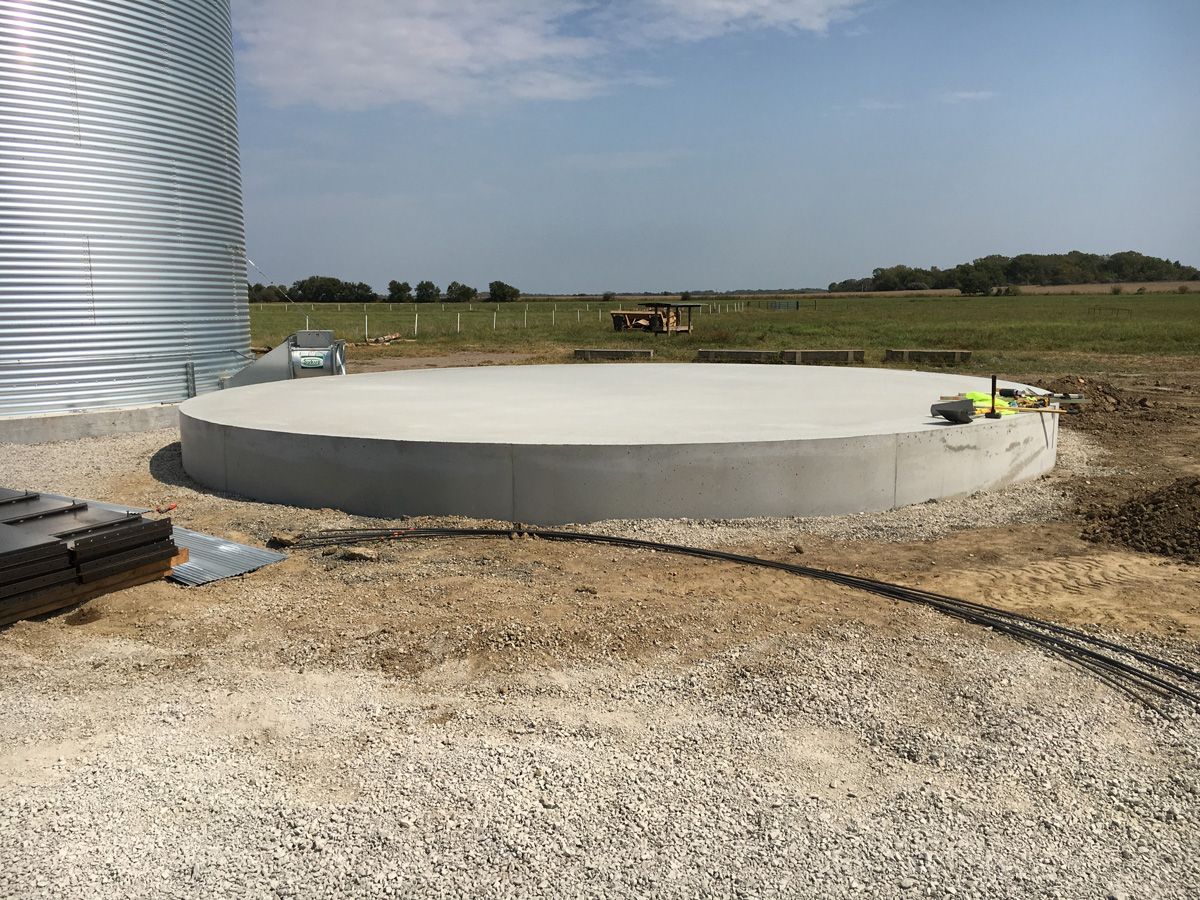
[(1111, 408), (1165, 521), (961, 408), (56, 552)]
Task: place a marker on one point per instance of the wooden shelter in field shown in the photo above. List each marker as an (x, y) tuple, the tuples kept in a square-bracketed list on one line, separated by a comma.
[(657, 317)]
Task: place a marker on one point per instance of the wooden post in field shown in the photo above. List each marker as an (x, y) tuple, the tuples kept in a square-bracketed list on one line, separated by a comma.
[(458, 323), (306, 323), (366, 334), (526, 315), (553, 316), (495, 313), (577, 315), (416, 317)]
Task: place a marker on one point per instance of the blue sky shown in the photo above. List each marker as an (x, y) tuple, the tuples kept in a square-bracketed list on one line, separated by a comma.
[(672, 145)]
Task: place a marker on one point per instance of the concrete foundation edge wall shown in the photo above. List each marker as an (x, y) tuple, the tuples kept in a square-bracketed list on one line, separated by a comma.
[(605, 353), (933, 357), (739, 356), (818, 357), (554, 485), (92, 423)]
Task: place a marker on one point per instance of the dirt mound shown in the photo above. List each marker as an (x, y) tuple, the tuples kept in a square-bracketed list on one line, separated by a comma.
[(1165, 521), (1108, 408), (1100, 394)]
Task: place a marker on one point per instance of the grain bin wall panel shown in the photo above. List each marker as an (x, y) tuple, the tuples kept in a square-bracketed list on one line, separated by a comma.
[(122, 254)]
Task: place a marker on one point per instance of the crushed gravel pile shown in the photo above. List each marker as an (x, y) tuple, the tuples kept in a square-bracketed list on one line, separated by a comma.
[(925, 521), (1165, 521)]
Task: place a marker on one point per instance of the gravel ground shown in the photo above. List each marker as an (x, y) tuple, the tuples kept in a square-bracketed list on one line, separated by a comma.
[(825, 766), (720, 733)]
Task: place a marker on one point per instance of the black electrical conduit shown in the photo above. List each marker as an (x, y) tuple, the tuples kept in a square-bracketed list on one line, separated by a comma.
[(1020, 627)]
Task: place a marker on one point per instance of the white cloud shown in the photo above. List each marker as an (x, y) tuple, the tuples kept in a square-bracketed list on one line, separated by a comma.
[(966, 96), (697, 20), (444, 53), (450, 54)]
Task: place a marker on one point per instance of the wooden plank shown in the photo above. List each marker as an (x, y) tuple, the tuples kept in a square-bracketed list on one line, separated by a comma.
[(50, 599)]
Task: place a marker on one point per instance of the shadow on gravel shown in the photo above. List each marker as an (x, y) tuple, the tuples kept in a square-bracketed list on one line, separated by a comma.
[(166, 466)]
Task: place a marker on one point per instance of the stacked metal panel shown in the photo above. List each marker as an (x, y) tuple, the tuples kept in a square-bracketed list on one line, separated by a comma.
[(122, 258), (56, 552)]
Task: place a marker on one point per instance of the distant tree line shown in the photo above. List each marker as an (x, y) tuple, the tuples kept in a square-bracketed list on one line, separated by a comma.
[(991, 272), (326, 289)]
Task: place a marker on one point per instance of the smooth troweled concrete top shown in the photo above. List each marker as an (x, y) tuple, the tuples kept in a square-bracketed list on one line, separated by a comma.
[(633, 404)]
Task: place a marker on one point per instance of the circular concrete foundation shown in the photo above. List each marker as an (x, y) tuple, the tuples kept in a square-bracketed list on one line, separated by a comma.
[(556, 444)]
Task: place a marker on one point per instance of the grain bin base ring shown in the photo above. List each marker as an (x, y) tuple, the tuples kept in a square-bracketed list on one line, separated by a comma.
[(558, 444)]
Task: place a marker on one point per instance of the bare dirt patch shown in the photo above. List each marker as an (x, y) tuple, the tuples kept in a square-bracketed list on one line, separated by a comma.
[(361, 361)]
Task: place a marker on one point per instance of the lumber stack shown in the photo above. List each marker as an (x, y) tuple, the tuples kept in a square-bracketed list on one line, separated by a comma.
[(57, 552)]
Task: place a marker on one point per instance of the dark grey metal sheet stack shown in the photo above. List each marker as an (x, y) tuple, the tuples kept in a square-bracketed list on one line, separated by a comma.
[(57, 551)]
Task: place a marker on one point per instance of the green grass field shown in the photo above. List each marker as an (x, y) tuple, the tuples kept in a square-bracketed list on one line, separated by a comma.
[(1008, 333)]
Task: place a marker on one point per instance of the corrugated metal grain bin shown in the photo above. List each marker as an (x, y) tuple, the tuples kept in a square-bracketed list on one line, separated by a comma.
[(122, 257)]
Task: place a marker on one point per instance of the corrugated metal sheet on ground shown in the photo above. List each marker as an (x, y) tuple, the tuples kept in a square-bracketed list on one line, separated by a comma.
[(213, 558), (210, 558)]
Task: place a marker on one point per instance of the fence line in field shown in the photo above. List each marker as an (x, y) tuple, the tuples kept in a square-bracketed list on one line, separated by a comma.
[(442, 319)]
